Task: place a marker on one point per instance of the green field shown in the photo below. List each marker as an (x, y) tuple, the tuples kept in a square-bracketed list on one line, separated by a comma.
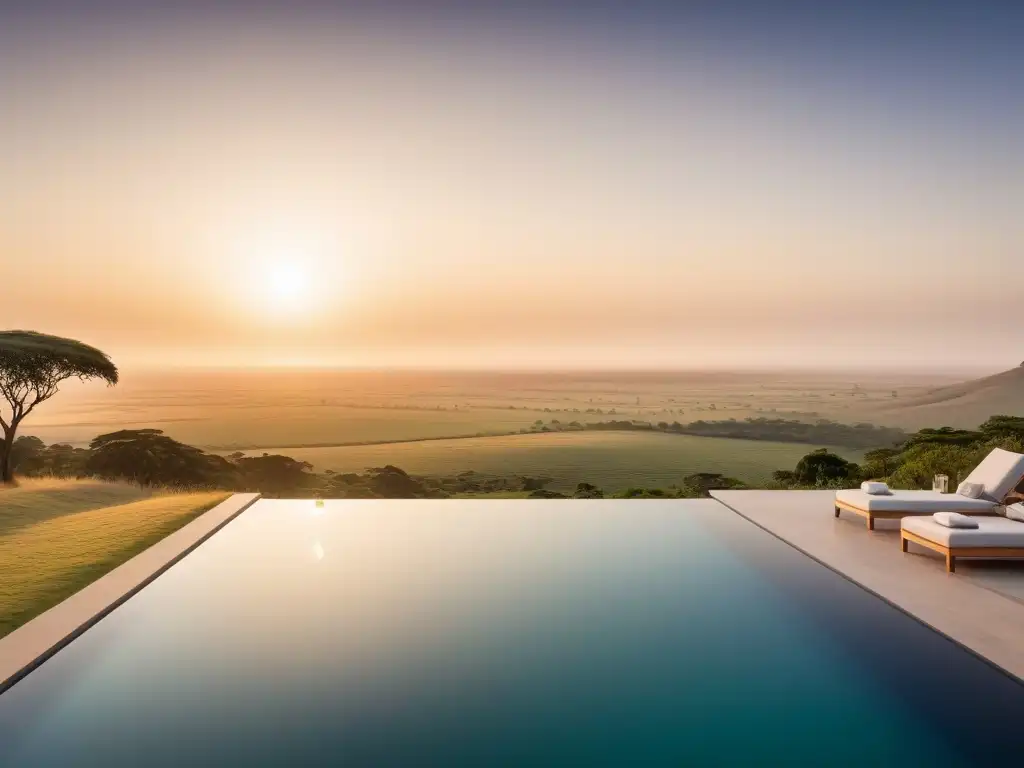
[(57, 536), (611, 460)]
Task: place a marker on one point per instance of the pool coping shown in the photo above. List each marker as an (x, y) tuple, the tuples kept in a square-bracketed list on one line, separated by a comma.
[(31, 644)]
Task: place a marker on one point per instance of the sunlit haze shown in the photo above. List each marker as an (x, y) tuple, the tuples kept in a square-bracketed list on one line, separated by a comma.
[(445, 185)]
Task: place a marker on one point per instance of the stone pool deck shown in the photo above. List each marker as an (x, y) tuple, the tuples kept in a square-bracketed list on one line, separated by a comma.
[(981, 606)]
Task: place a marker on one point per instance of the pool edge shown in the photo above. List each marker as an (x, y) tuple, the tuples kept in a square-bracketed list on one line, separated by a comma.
[(32, 644), (959, 643)]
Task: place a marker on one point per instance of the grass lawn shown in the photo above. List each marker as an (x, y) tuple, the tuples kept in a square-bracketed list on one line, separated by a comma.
[(57, 536), (612, 461), (36, 500)]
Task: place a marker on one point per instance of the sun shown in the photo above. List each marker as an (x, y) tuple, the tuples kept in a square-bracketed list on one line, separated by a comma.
[(285, 274), (286, 287)]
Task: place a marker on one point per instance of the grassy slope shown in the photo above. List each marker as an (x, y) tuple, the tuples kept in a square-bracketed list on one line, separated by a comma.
[(36, 500), (611, 460), (58, 536)]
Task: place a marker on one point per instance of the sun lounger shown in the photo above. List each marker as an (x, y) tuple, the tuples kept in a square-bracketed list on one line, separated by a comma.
[(995, 537), (998, 473)]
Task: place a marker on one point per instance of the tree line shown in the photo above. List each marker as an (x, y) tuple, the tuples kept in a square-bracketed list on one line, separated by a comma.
[(913, 463), (150, 458), (821, 432)]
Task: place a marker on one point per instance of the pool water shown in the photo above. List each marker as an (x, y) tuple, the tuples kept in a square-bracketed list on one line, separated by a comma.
[(491, 633)]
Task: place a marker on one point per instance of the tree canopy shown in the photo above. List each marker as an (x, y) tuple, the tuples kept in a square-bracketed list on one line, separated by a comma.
[(822, 467), (149, 457), (1003, 426), (32, 367)]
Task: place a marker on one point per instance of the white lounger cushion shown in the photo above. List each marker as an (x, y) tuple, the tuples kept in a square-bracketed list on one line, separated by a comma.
[(991, 532), (923, 502), (998, 473)]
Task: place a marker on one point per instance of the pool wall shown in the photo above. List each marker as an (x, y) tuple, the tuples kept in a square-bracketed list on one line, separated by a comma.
[(30, 645)]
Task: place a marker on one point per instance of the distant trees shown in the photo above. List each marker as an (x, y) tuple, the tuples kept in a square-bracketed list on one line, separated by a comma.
[(920, 462), (63, 460), (998, 427), (823, 468), (643, 493), (821, 432), (543, 493), (149, 457), (880, 462), (914, 463), (32, 367), (273, 474), (943, 436), (620, 425), (534, 483), (700, 484), (588, 491), (391, 482), (28, 455)]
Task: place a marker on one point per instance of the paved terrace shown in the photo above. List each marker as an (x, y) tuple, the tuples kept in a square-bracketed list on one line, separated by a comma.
[(981, 606)]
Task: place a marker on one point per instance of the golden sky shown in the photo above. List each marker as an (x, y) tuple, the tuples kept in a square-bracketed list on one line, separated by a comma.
[(366, 192)]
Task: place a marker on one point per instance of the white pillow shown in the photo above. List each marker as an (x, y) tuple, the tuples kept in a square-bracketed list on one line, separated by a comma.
[(970, 490), (954, 520), (875, 488)]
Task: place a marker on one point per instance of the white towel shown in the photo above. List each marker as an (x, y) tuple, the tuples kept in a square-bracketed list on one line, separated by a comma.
[(875, 488), (954, 520)]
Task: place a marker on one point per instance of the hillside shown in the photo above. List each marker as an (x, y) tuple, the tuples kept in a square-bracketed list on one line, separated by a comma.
[(965, 405)]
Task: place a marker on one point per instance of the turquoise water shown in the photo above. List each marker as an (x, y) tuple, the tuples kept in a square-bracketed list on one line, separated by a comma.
[(496, 633)]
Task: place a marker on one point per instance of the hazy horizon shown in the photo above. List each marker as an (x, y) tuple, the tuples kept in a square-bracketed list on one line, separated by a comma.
[(455, 186), (950, 370)]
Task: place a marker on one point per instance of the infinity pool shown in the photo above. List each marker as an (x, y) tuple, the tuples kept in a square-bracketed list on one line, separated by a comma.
[(488, 633)]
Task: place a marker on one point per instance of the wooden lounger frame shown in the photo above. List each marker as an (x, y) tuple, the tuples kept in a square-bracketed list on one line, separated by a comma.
[(896, 514), (952, 553)]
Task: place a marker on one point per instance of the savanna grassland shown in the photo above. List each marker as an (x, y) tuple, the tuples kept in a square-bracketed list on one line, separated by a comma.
[(271, 409), (346, 421)]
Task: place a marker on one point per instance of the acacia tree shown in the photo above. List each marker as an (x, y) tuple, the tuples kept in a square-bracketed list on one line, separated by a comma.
[(149, 457), (32, 367)]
